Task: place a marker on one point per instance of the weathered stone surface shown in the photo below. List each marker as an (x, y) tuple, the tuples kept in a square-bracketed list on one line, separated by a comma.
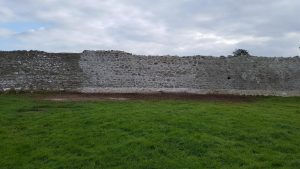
[(115, 71), (39, 71)]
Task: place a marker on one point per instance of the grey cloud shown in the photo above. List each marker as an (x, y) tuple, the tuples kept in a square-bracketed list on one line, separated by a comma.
[(183, 27)]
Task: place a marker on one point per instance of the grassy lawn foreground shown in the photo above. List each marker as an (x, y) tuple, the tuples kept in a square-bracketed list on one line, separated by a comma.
[(149, 134)]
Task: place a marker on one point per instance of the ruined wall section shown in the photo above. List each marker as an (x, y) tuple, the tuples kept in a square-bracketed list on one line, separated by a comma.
[(262, 73), (115, 71), (34, 70)]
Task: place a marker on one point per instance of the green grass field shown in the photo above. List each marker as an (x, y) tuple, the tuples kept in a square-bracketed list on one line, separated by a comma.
[(149, 134)]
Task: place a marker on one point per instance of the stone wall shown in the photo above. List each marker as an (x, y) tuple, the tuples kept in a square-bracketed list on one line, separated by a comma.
[(33, 70), (120, 72)]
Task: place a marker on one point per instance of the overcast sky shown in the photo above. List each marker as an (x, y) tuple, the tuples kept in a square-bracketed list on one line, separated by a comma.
[(176, 27)]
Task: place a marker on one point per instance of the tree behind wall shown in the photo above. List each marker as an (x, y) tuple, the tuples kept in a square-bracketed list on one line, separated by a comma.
[(240, 52)]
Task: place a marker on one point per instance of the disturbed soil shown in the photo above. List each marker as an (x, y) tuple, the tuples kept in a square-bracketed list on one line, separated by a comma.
[(135, 96)]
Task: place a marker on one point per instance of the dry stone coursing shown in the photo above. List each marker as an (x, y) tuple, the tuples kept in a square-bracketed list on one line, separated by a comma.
[(120, 72)]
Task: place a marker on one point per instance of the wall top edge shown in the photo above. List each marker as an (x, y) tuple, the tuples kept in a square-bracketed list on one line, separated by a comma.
[(120, 53)]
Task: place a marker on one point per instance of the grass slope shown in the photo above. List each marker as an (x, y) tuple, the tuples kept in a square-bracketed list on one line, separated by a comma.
[(149, 134)]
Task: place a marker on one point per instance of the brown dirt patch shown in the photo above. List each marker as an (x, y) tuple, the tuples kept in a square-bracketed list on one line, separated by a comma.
[(134, 96)]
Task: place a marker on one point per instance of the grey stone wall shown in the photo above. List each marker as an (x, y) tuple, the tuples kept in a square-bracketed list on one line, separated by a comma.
[(33, 70), (115, 71)]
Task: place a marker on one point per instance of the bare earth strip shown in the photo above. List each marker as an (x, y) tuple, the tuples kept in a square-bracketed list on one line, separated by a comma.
[(134, 96)]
